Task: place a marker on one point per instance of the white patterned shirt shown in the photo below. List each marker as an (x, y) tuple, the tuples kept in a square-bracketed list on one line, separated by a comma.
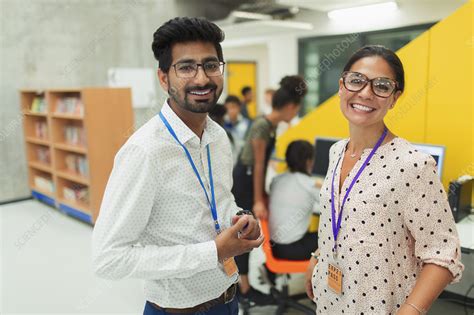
[(155, 222), (293, 199)]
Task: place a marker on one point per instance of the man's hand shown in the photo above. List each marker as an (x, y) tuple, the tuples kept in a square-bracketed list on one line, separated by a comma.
[(229, 244), (251, 231)]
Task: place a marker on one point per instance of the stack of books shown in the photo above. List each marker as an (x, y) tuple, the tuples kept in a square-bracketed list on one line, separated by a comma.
[(38, 105), (44, 184), (70, 105), (77, 164), (43, 155), (41, 130), (75, 135), (76, 194)]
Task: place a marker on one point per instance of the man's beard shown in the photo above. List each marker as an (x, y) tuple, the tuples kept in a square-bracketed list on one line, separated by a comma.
[(196, 106)]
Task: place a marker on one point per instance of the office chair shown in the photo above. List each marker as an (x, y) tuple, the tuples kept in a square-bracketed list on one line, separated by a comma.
[(283, 268)]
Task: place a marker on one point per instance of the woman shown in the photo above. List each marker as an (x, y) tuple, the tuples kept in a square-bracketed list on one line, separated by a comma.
[(387, 239), (293, 197), (249, 173)]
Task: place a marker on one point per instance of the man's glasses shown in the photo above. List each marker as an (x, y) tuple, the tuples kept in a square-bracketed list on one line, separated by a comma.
[(189, 69), (355, 82)]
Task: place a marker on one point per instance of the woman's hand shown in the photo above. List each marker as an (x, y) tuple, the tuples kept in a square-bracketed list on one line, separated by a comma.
[(308, 276), (260, 210)]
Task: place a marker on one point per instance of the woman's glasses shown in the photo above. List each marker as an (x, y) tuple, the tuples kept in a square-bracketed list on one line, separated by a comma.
[(355, 82)]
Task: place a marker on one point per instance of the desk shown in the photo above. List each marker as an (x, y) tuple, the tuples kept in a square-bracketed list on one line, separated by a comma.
[(465, 230)]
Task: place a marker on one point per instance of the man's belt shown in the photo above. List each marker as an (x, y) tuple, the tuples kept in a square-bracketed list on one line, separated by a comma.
[(225, 298)]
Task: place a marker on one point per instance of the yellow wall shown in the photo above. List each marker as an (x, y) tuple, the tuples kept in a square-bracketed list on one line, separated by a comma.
[(240, 74), (437, 106), (450, 101)]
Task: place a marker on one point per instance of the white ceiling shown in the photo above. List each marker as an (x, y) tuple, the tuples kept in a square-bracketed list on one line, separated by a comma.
[(411, 12), (328, 5), (325, 5)]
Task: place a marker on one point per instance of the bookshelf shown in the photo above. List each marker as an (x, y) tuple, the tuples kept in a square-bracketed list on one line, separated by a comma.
[(71, 138)]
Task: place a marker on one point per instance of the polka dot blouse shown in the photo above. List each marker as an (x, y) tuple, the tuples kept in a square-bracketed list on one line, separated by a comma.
[(395, 219)]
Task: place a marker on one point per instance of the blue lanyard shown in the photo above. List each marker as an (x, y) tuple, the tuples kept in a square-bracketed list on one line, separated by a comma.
[(336, 225), (212, 201)]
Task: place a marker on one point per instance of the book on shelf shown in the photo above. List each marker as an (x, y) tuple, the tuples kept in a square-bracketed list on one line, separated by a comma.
[(70, 105), (43, 155), (75, 135), (77, 164), (76, 194), (41, 130), (44, 184), (38, 105)]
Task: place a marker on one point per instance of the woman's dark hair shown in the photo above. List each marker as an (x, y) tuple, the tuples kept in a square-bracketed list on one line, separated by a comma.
[(297, 155), (184, 29), (292, 90), (389, 56)]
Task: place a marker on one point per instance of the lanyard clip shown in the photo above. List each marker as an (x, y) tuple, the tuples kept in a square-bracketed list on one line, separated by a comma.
[(334, 251)]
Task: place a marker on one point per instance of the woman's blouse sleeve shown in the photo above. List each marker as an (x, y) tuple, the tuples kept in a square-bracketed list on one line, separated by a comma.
[(429, 219)]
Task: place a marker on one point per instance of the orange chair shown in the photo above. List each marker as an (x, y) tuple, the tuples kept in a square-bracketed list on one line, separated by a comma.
[(283, 267)]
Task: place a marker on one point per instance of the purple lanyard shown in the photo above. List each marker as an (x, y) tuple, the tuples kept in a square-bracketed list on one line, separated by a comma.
[(336, 226)]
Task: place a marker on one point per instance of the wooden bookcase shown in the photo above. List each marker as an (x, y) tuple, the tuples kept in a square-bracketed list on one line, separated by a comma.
[(69, 153)]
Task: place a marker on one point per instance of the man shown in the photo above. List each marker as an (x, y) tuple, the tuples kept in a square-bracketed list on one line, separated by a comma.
[(168, 215), (235, 123), (247, 97)]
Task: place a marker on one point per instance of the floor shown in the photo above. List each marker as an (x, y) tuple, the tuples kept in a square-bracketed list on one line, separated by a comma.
[(46, 269)]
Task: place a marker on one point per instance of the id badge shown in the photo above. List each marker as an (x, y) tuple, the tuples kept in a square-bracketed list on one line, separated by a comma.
[(230, 267), (334, 278)]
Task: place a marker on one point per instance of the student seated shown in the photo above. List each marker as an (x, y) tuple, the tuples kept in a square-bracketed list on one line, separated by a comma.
[(293, 198)]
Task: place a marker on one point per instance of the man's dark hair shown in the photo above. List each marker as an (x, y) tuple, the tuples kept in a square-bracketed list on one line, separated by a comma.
[(245, 90), (232, 99), (217, 113), (181, 30), (297, 154)]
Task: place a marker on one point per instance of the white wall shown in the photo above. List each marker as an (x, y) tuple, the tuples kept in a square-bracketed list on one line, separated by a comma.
[(58, 43), (282, 57)]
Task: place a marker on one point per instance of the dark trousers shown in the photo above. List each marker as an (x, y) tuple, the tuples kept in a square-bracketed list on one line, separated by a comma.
[(231, 308), (299, 250), (243, 193)]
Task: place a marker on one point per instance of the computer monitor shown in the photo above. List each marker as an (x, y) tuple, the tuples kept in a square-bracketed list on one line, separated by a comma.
[(321, 161), (436, 151), (322, 146), (460, 197)]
